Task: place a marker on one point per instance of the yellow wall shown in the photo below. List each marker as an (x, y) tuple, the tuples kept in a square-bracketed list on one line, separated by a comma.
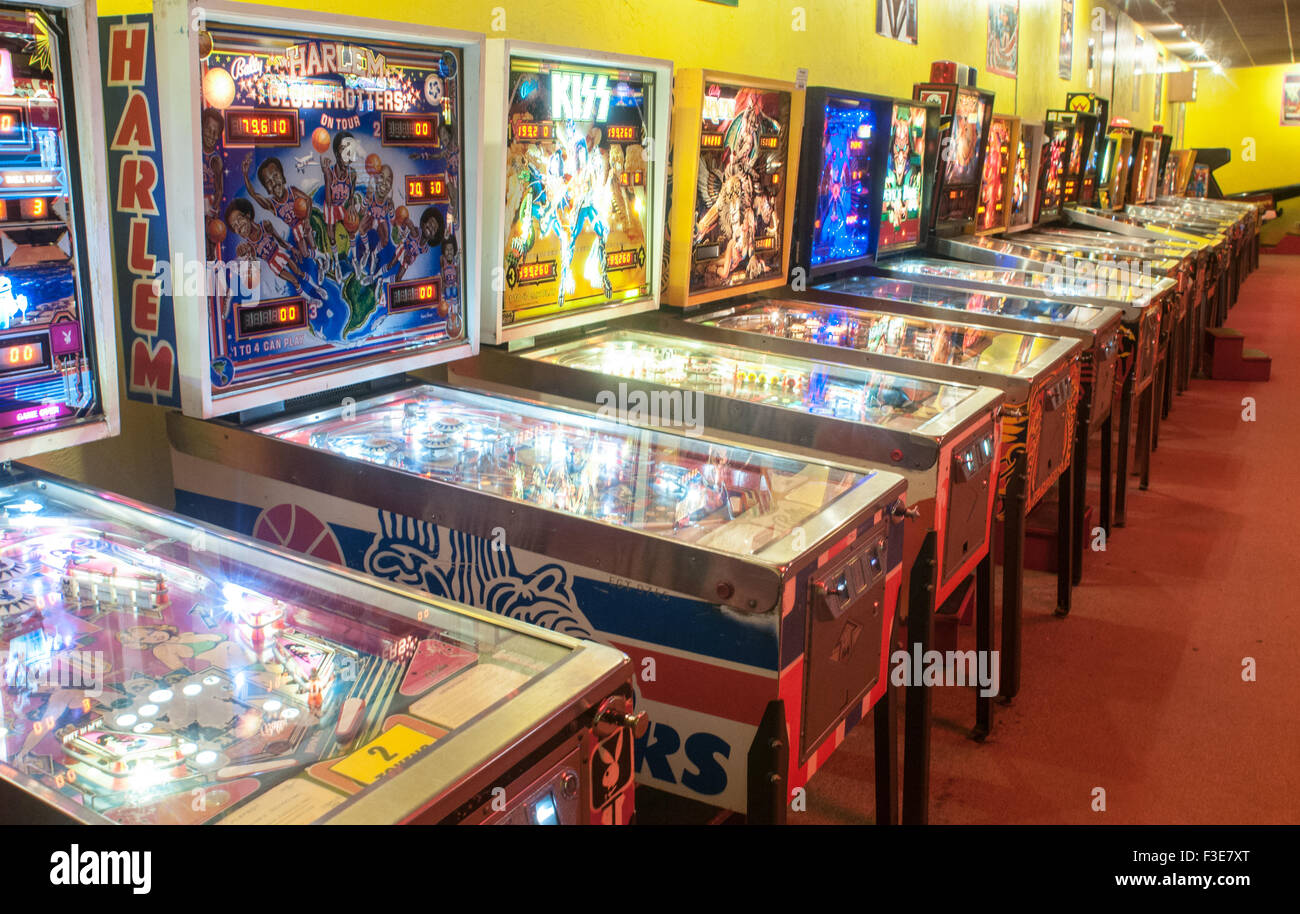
[(1243, 105), (837, 44)]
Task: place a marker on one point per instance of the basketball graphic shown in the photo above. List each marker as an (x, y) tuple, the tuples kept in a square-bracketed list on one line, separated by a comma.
[(320, 139), (296, 528)]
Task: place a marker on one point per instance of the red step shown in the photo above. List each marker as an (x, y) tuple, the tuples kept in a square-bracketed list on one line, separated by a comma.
[(1040, 536), (1230, 360)]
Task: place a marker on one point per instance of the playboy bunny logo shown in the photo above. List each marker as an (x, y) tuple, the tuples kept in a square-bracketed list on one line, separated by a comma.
[(611, 768)]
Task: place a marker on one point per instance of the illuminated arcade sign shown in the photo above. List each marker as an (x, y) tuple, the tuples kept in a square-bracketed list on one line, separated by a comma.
[(579, 96)]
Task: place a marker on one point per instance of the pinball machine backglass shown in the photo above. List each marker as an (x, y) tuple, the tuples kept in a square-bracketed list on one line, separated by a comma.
[(332, 168), (571, 148), (56, 341)]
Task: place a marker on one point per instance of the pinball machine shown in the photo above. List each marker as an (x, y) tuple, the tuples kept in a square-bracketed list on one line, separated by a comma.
[(1075, 268), (1094, 112), (1140, 302), (746, 578), (1024, 182), (156, 670), (1041, 382), (1078, 179), (1001, 171), (861, 209), (1205, 279), (735, 151)]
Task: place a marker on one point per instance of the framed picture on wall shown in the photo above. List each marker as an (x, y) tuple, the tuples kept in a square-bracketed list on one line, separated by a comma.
[(896, 19), (1003, 55), (1291, 100), (1065, 50)]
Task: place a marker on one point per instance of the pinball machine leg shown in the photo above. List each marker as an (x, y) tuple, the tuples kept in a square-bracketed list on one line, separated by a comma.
[(769, 769), (1013, 578), (1161, 394), (1175, 370), (916, 714), (1189, 337), (1079, 496), (884, 717), (983, 642), (1107, 475), (1121, 463), (1145, 430), (1066, 534)]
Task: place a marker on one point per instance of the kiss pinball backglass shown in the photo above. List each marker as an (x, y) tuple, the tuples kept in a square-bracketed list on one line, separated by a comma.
[(578, 197), (740, 186), (333, 199), (47, 372), (158, 673)]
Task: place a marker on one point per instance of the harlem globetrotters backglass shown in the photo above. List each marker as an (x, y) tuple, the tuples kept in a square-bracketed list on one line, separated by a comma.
[(333, 199)]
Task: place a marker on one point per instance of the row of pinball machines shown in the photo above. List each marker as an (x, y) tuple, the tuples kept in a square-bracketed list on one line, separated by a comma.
[(714, 490), (427, 347), (158, 670)]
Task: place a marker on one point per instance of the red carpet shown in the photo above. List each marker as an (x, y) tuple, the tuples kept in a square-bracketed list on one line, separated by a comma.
[(1140, 690)]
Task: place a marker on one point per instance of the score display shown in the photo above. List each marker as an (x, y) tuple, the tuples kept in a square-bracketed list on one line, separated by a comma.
[(623, 133), (532, 131), (20, 355), (13, 127), (408, 296), (426, 189), (410, 130), (261, 127), (272, 317)]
